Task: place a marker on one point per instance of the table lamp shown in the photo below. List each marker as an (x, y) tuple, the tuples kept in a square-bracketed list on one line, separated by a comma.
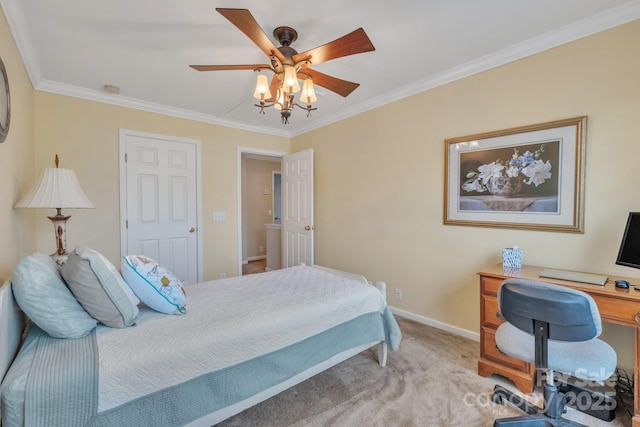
[(56, 188)]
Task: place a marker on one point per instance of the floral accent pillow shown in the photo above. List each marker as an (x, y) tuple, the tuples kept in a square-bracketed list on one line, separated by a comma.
[(154, 285)]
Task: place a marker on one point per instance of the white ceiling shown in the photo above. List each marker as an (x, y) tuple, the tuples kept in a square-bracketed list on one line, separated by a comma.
[(145, 47)]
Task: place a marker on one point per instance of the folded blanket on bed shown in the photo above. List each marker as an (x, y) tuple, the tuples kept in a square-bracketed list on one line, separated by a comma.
[(54, 382)]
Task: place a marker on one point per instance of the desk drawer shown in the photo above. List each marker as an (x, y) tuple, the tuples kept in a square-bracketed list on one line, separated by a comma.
[(491, 351), (617, 310), (490, 285), (489, 310)]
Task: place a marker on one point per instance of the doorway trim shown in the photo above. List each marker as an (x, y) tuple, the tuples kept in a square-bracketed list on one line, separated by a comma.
[(123, 133), (248, 150), (273, 191)]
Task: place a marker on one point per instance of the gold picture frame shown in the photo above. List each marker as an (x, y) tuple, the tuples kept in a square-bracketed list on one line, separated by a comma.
[(528, 177)]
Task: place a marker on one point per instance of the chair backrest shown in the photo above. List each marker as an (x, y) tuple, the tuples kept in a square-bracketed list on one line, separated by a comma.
[(572, 315)]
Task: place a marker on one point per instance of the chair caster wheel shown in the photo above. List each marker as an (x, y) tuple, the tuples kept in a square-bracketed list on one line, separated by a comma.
[(497, 399)]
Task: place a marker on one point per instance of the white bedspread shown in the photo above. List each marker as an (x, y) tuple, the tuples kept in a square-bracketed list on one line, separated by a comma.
[(227, 321)]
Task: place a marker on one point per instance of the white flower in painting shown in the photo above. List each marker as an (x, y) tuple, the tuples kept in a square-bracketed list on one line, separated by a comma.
[(537, 172), (473, 185), (493, 169), (512, 171)]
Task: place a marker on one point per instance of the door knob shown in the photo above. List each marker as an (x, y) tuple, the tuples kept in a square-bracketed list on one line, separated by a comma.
[(308, 227), (192, 229)]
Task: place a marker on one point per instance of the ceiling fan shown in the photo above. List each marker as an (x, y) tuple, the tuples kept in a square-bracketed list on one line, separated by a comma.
[(288, 65)]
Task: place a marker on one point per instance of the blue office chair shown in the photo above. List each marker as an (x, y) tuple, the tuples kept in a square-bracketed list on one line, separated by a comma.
[(556, 328)]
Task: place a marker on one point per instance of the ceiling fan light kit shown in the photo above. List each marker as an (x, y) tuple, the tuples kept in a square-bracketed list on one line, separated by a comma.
[(286, 84), (289, 66)]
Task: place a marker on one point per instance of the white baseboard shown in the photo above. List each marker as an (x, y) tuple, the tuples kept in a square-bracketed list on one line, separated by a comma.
[(255, 258), (436, 324)]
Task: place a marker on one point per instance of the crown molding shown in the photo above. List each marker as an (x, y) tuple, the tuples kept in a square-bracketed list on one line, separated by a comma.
[(123, 101)]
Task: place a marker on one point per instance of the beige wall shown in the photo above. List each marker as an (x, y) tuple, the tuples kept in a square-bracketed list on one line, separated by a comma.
[(379, 176), (85, 136), (16, 159)]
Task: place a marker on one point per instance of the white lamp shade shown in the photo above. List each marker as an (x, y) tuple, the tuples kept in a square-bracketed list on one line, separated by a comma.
[(308, 92), (56, 188), (290, 84), (262, 88)]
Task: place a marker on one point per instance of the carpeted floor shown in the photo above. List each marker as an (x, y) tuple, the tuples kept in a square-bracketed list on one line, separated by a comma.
[(430, 381)]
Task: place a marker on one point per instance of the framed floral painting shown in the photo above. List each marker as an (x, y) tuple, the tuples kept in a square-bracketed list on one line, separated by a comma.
[(528, 177)]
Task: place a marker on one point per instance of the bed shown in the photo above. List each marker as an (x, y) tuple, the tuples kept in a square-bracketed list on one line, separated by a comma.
[(243, 340)]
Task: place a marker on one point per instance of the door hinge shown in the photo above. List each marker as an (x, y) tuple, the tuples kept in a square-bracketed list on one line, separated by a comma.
[(125, 157), (126, 224)]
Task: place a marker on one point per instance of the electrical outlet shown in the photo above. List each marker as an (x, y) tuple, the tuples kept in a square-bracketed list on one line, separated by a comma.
[(223, 275), (261, 249), (398, 294)]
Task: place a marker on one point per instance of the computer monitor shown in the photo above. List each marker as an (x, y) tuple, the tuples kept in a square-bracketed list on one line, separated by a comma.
[(629, 253)]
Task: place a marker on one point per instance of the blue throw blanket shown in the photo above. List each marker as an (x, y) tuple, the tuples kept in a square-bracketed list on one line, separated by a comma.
[(62, 386)]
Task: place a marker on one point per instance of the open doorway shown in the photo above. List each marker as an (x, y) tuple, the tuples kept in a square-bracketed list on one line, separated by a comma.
[(259, 206)]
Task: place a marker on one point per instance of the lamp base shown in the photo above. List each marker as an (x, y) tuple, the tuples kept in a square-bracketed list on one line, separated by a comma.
[(60, 228), (60, 260)]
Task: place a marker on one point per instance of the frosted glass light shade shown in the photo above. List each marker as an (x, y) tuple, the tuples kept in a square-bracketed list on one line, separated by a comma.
[(262, 88), (55, 188), (308, 92), (290, 84)]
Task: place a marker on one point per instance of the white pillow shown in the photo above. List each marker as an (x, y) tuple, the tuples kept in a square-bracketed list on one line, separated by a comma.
[(99, 288), (156, 286), (43, 296)]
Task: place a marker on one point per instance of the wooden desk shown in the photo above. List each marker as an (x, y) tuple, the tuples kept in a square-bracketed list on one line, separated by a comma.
[(621, 306)]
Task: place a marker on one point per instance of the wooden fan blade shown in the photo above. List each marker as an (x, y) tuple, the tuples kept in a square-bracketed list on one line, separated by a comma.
[(228, 67), (355, 42), (334, 84), (245, 22)]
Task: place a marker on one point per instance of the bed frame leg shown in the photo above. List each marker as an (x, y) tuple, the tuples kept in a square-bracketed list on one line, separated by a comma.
[(382, 354), (382, 346)]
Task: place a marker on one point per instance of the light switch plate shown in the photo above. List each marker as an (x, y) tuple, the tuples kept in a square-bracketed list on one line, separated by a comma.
[(219, 216)]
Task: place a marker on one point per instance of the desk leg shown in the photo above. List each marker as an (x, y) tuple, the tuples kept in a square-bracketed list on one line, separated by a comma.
[(635, 422)]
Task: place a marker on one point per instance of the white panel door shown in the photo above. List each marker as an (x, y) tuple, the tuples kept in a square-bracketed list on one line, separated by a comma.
[(161, 205), (297, 209)]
